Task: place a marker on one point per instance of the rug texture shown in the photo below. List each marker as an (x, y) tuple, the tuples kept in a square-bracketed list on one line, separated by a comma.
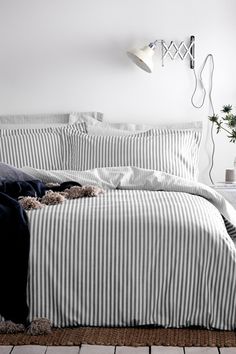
[(126, 336)]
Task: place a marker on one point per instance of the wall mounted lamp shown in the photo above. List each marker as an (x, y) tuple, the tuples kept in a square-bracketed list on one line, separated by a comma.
[(143, 58)]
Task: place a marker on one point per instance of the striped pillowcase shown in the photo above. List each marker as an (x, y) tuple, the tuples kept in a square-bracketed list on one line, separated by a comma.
[(172, 151), (38, 148)]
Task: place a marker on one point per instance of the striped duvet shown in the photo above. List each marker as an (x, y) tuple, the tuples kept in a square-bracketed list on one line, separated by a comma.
[(154, 251)]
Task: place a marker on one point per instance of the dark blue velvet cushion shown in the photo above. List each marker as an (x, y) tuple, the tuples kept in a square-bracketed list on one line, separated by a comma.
[(12, 174)]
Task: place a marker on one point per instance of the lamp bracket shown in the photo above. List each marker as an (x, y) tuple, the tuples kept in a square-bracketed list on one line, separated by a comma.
[(181, 50)]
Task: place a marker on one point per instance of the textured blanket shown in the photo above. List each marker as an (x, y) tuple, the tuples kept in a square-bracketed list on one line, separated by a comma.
[(14, 245), (153, 249)]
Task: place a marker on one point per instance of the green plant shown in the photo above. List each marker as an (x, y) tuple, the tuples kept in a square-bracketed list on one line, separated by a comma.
[(226, 123)]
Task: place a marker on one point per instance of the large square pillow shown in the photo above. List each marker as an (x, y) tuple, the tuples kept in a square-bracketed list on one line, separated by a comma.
[(172, 151), (38, 148)]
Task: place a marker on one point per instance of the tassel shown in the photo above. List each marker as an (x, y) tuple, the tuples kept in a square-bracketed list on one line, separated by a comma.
[(39, 326), (9, 327)]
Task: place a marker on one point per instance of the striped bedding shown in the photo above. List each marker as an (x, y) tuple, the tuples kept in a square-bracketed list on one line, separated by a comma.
[(153, 249), (39, 148), (172, 151)]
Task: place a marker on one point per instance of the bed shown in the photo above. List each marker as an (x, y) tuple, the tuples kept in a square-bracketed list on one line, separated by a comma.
[(156, 248)]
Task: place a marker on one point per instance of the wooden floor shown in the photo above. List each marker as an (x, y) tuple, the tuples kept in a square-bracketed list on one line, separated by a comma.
[(99, 349)]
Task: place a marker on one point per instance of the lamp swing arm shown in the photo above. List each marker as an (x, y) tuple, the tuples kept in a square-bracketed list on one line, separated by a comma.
[(167, 50)]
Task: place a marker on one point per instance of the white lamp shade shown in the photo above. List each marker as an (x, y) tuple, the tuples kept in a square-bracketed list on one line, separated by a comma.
[(143, 58)]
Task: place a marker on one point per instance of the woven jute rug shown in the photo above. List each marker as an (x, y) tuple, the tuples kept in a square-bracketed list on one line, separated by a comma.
[(126, 336)]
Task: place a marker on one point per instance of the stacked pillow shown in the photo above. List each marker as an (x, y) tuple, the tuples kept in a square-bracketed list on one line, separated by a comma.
[(45, 120), (98, 127), (88, 143), (38, 148), (173, 148), (171, 151), (37, 140)]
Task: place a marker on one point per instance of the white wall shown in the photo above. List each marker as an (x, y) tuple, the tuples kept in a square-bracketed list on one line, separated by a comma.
[(63, 55)]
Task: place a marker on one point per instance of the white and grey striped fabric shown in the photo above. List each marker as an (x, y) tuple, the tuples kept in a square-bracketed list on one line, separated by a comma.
[(39, 148), (45, 120), (154, 251), (171, 151), (131, 127)]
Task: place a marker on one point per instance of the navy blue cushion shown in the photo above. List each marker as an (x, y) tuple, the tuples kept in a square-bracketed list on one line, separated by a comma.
[(12, 174)]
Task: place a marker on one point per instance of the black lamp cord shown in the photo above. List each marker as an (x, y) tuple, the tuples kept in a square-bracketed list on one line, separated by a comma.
[(210, 58)]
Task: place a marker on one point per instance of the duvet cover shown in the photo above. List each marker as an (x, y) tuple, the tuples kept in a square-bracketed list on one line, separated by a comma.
[(154, 249)]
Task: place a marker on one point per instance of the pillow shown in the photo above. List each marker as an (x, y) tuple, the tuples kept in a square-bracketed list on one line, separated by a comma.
[(38, 148), (81, 127), (171, 151), (102, 129), (13, 174), (43, 120), (96, 127)]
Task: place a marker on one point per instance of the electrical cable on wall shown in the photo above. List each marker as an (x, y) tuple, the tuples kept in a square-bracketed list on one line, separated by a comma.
[(210, 58)]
